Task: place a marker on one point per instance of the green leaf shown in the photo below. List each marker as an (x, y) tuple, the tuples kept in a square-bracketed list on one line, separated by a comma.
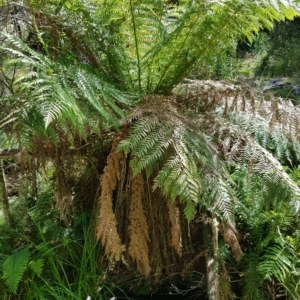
[(67, 4)]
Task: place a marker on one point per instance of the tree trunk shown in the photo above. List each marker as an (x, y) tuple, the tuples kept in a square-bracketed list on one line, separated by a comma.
[(4, 198), (210, 237)]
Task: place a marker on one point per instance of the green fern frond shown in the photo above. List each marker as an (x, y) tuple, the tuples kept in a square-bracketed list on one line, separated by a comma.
[(189, 209), (179, 178), (276, 262), (223, 203), (36, 266), (58, 91), (14, 267), (273, 255), (252, 289)]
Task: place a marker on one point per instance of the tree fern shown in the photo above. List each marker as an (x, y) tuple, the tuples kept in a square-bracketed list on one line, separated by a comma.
[(14, 267), (94, 68)]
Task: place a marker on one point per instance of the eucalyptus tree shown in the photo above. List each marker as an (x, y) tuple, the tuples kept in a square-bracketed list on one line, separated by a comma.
[(105, 71)]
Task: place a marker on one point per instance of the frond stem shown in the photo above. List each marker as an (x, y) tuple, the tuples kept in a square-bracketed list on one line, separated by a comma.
[(136, 45), (175, 55)]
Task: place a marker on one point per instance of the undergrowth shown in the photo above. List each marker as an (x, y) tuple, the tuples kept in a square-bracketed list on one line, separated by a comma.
[(42, 259)]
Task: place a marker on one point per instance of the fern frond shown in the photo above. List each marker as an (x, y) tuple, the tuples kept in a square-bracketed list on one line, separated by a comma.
[(276, 262), (237, 116), (58, 91), (14, 267), (273, 255), (107, 225), (185, 157), (176, 230), (36, 266), (252, 279), (150, 46), (138, 227), (223, 199)]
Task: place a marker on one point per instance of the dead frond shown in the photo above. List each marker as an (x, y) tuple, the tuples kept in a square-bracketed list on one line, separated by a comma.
[(230, 236), (107, 224), (174, 217), (138, 227)]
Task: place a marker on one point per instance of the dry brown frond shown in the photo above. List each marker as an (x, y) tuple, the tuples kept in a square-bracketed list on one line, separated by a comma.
[(160, 107), (107, 224), (138, 227), (174, 217), (242, 101), (230, 236)]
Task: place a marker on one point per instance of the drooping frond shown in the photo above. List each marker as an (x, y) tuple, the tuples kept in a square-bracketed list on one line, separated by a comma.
[(272, 121), (189, 148), (164, 141), (107, 225), (242, 148), (176, 232), (230, 236), (138, 227), (63, 93), (248, 127)]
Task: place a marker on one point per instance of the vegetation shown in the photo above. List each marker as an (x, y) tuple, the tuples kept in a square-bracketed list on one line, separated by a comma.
[(199, 180)]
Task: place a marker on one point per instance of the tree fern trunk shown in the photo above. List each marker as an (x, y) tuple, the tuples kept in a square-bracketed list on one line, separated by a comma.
[(210, 238), (4, 198)]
